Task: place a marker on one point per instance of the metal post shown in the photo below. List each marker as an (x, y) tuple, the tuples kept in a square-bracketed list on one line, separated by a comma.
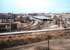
[(10, 26), (48, 42)]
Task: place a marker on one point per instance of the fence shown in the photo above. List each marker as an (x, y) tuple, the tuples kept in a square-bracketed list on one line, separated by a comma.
[(48, 39)]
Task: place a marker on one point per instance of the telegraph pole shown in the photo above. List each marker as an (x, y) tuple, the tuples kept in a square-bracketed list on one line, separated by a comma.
[(11, 15)]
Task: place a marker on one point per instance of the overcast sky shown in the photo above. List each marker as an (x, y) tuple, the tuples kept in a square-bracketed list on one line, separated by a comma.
[(34, 6)]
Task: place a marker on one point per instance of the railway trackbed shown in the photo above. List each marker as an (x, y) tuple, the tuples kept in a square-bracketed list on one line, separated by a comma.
[(33, 31)]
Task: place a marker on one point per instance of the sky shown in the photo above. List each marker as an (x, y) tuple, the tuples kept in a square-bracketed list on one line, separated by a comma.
[(34, 6)]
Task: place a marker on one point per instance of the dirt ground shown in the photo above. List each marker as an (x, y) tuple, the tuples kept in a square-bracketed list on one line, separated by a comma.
[(54, 44)]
